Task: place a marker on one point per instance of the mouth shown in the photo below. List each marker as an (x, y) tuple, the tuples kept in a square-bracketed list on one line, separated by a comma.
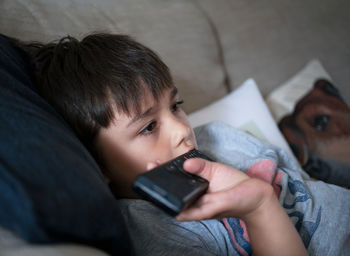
[(190, 149)]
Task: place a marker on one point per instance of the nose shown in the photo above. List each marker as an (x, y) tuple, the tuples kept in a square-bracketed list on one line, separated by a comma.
[(180, 133)]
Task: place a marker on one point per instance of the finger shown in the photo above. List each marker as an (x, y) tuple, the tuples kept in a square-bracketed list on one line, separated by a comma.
[(207, 169), (208, 207), (151, 165), (199, 167), (200, 211)]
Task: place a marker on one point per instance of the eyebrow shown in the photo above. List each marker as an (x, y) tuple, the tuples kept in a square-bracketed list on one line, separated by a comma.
[(149, 111), (173, 93)]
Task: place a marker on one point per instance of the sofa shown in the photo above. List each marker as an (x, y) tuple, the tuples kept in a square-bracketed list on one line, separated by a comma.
[(54, 200)]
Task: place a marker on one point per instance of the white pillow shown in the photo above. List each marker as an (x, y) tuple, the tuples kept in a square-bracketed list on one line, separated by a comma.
[(283, 99), (245, 109)]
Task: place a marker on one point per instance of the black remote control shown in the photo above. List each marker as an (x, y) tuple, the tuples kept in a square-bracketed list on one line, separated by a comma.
[(170, 187)]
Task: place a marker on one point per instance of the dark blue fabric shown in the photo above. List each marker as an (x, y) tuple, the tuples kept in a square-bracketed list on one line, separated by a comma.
[(51, 189)]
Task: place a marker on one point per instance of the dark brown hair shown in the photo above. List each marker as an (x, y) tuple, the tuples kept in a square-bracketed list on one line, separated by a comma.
[(86, 80)]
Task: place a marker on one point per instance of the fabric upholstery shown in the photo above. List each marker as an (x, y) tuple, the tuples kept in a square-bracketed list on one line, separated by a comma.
[(270, 40), (210, 46), (177, 30)]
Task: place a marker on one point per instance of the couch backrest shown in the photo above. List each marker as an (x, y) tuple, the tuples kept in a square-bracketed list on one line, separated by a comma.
[(177, 30), (210, 46)]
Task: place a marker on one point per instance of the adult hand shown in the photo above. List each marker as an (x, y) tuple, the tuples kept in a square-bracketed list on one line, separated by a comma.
[(231, 192)]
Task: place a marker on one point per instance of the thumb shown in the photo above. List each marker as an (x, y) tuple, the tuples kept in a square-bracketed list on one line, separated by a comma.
[(200, 167), (219, 175)]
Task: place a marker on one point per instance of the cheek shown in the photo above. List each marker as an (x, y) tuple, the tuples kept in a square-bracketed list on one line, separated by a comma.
[(123, 162), (154, 149), (120, 158), (143, 150), (122, 168), (185, 121), (339, 125)]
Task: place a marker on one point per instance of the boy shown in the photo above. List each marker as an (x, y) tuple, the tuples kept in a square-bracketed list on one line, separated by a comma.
[(119, 98)]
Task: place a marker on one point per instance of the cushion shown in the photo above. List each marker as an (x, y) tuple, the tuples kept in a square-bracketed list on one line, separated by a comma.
[(318, 131), (177, 30), (282, 100), (314, 118), (51, 189), (245, 109)]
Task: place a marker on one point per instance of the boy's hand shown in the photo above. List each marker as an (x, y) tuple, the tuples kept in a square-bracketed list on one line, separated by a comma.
[(231, 192)]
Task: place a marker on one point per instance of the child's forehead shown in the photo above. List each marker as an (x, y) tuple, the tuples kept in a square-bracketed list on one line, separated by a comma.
[(149, 99), (147, 96), (146, 100)]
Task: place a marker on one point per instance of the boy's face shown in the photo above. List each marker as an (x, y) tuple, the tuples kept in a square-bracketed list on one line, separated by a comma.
[(161, 132)]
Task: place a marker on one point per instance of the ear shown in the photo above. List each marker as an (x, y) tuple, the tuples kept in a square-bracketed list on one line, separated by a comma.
[(328, 88)]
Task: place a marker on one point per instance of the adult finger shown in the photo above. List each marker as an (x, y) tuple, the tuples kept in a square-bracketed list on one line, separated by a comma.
[(199, 167), (219, 175), (210, 206)]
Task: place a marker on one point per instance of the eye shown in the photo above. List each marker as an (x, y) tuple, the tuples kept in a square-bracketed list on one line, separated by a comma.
[(321, 122), (176, 106), (149, 128)]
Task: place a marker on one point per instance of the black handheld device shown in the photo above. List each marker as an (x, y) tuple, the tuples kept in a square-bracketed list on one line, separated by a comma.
[(170, 187)]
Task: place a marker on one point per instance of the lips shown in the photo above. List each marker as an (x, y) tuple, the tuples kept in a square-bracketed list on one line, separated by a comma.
[(190, 149), (189, 145)]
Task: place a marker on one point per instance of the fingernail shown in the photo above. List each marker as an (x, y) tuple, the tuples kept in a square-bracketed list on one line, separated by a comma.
[(191, 165), (149, 166)]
